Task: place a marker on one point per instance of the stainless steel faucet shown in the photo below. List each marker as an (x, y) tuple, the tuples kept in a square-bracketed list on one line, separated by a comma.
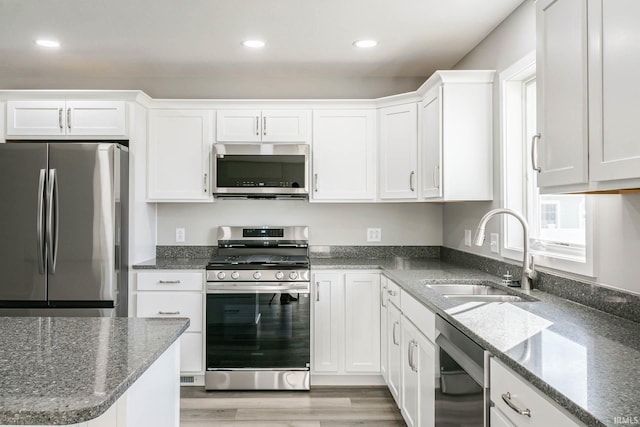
[(528, 267)]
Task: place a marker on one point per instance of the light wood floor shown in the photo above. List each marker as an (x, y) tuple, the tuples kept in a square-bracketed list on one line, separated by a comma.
[(320, 407)]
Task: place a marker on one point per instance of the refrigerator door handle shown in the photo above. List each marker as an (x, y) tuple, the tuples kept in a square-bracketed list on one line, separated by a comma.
[(40, 222), (52, 220)]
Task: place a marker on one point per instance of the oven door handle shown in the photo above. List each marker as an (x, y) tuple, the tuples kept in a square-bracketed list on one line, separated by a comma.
[(258, 288)]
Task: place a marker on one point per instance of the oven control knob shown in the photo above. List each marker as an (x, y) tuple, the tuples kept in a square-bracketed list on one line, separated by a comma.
[(235, 275), (221, 275), (257, 275), (279, 275), (293, 275)]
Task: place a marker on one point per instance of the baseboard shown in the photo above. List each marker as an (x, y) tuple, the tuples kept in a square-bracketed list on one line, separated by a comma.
[(347, 380)]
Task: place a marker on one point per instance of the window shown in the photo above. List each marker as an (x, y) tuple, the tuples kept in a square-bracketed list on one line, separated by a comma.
[(559, 229)]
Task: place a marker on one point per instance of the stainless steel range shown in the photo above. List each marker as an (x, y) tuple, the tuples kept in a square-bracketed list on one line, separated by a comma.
[(258, 310)]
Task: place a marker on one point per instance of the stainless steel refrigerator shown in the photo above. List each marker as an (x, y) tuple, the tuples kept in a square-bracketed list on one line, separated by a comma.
[(63, 228)]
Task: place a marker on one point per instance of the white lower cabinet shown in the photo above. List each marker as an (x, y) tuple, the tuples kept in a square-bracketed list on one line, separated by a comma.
[(498, 419), (521, 404), (384, 344), (394, 368), (346, 323), (176, 293), (418, 374)]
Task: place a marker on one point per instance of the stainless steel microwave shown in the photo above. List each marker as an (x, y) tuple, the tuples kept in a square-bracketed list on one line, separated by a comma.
[(261, 170)]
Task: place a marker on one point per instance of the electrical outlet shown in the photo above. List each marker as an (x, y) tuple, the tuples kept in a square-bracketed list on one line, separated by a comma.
[(467, 238), (495, 247), (374, 234), (180, 235)]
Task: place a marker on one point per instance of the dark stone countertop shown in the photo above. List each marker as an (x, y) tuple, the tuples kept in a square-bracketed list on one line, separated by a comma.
[(585, 360), (68, 370)]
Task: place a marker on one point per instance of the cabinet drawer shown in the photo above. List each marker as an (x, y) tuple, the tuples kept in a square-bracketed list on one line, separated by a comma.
[(170, 281), (191, 352), (524, 396), (171, 304), (393, 292), (419, 315)]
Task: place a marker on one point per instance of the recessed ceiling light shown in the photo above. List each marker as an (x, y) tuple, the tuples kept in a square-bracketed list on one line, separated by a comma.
[(47, 43), (253, 43), (365, 43)]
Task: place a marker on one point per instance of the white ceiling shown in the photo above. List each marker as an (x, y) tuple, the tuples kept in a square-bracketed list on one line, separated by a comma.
[(200, 39)]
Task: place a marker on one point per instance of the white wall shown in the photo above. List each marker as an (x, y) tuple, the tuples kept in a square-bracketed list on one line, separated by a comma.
[(617, 219), (238, 86), (329, 224)]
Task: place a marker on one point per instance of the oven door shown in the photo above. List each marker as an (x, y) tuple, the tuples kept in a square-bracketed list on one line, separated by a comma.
[(258, 326), (260, 169)]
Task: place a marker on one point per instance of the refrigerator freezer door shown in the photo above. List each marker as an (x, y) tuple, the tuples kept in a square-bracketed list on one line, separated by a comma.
[(85, 267), (22, 174)]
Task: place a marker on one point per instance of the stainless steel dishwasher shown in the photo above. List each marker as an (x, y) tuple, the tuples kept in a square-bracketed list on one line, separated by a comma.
[(463, 395)]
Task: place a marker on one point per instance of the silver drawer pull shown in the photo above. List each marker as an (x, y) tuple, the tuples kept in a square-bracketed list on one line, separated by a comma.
[(168, 313), (392, 293), (168, 282), (507, 399)]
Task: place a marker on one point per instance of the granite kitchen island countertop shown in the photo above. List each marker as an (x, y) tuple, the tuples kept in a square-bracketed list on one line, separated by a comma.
[(68, 370), (585, 360)]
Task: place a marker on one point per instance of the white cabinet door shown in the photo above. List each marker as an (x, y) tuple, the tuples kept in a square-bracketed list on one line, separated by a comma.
[(398, 152), (178, 155), (498, 419), (614, 90), (562, 99), (384, 354), (326, 321), (238, 126), (35, 118), (285, 125), (418, 377), (362, 322), (191, 352), (394, 370), (343, 155), (85, 118), (431, 153)]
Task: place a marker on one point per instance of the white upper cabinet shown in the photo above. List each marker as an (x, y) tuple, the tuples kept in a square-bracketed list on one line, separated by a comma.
[(614, 90), (263, 126), (62, 118), (398, 129), (343, 155), (179, 146), (456, 136), (561, 81), (588, 95)]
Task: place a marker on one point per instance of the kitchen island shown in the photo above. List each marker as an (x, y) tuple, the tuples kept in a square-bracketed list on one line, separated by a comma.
[(89, 372)]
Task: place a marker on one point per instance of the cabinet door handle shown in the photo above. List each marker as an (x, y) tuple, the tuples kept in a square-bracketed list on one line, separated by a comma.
[(168, 313), (395, 342), (409, 355), (534, 153), (168, 282), (264, 125), (437, 175), (414, 345), (317, 291), (257, 125), (392, 293), (315, 182), (60, 118), (411, 186), (384, 288), (69, 118), (506, 397), (205, 182)]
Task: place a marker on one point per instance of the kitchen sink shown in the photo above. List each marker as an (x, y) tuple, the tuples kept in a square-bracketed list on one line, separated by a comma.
[(477, 292)]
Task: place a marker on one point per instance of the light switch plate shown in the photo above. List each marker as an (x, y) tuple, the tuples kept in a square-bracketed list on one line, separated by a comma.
[(180, 235), (374, 234), (467, 238), (495, 247)]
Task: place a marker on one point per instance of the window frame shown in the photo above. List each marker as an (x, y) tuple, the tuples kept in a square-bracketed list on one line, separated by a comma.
[(511, 81)]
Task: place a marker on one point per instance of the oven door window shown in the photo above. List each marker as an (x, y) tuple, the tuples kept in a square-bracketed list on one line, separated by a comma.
[(263, 331), (264, 171)]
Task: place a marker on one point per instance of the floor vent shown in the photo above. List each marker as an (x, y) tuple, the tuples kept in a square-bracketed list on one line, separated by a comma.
[(188, 379)]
